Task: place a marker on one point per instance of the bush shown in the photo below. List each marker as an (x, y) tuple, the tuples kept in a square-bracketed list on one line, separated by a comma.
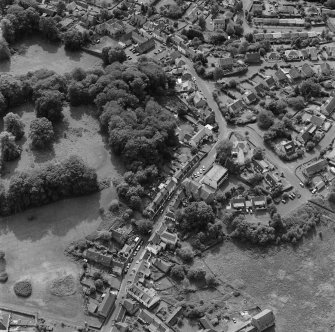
[(177, 272), (98, 284), (186, 255), (23, 288), (196, 274), (211, 281), (144, 226), (114, 205), (41, 133), (264, 120)]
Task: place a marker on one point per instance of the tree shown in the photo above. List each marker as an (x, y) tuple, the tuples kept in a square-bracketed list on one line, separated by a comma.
[(258, 153), (297, 103), (113, 54), (310, 146), (104, 14), (41, 133), (202, 23), (14, 125), (144, 226), (196, 274), (49, 105), (310, 89), (196, 216), (230, 30), (177, 272), (73, 40), (61, 8), (249, 37), (330, 4), (264, 120), (4, 50), (223, 151), (211, 281), (48, 27), (238, 30), (186, 255), (9, 150), (8, 30)]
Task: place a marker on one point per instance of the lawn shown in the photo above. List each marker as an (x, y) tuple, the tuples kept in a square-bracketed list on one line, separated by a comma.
[(296, 282)]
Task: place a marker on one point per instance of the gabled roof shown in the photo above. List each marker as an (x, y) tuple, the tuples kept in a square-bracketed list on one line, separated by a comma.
[(294, 73), (236, 105), (280, 75), (253, 57), (307, 70), (107, 303)]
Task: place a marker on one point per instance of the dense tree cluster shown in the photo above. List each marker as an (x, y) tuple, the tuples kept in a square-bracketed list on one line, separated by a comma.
[(264, 120), (50, 105), (14, 125), (196, 217), (9, 149), (71, 177), (113, 54), (41, 133), (74, 39), (4, 50)]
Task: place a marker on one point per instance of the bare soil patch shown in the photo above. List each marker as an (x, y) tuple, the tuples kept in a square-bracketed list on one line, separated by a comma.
[(63, 286)]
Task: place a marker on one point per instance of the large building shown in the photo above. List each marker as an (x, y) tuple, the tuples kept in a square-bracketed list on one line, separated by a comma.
[(316, 167), (215, 176), (263, 320)]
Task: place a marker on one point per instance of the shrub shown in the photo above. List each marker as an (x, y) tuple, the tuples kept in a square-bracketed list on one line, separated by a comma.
[(186, 255), (114, 205), (177, 272), (23, 288), (196, 274), (98, 284)]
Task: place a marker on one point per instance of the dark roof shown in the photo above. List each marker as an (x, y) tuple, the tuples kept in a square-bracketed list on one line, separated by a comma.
[(331, 106), (106, 305), (295, 73), (252, 57), (316, 166), (146, 45), (97, 257), (307, 70), (280, 75)]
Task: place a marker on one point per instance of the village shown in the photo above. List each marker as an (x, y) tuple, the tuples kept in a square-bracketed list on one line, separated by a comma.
[(255, 109)]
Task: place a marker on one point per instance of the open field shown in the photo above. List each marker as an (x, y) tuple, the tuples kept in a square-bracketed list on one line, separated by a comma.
[(296, 282)]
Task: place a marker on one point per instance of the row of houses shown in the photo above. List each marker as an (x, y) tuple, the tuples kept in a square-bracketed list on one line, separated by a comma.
[(242, 204), (273, 36), (298, 22)]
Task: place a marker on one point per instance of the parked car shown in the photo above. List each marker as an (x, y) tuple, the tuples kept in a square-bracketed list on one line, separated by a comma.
[(314, 191), (283, 201), (302, 185)]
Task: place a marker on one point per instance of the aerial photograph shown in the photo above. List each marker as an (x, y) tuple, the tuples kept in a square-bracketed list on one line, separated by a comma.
[(167, 165)]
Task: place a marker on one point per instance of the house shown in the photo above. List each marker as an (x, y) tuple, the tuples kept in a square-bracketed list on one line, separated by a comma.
[(137, 20), (180, 62), (238, 203), (169, 238), (317, 120), (307, 70), (292, 55), (316, 167), (259, 202), (107, 304), (249, 97), (294, 74), (274, 56), (207, 193), (328, 107), (162, 265), (226, 63), (260, 166), (239, 151), (253, 58), (146, 46), (263, 320), (257, 10), (270, 81), (147, 297), (313, 53), (131, 306), (92, 307), (272, 179), (288, 147), (4, 321), (281, 76), (219, 24), (206, 324), (97, 257), (215, 176), (260, 89), (286, 10), (201, 135), (320, 185), (325, 69), (192, 188), (173, 317), (236, 106)]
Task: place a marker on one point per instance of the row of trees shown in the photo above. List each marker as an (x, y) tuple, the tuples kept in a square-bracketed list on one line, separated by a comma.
[(71, 177)]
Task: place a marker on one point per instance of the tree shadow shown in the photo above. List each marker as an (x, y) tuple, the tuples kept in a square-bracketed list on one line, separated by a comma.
[(5, 66), (77, 112), (2, 264), (60, 129), (74, 56), (42, 156)]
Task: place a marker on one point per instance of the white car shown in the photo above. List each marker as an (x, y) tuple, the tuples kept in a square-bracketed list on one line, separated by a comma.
[(314, 191), (302, 185)]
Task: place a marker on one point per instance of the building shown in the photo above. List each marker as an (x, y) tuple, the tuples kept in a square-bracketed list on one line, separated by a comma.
[(288, 147), (107, 304), (261, 166), (294, 74), (272, 179), (263, 320), (259, 202), (173, 317), (281, 76), (146, 46), (236, 106), (97, 257), (253, 58), (206, 324), (4, 321), (169, 238), (292, 55), (219, 24), (328, 107), (316, 167), (226, 63), (249, 97), (307, 70), (202, 134), (238, 203), (130, 306), (215, 176)]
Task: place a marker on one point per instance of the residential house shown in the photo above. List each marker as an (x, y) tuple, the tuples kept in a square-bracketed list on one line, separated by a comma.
[(180, 62), (260, 89), (259, 202), (270, 81), (281, 76), (186, 86), (4, 321), (206, 324), (146, 46), (253, 58), (201, 135), (199, 100), (257, 10), (239, 151), (207, 194), (294, 74), (173, 317), (272, 179), (307, 70), (147, 297), (219, 24), (161, 265), (263, 320), (226, 63), (130, 306), (316, 167), (325, 69), (169, 238), (137, 20), (317, 120), (260, 166), (292, 55), (160, 36), (249, 97), (215, 176), (328, 107), (304, 54), (273, 56), (288, 147), (313, 53), (97, 257), (286, 10), (238, 203), (107, 304), (236, 106)]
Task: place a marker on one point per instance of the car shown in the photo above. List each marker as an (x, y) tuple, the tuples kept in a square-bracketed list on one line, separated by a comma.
[(293, 194), (283, 201), (234, 320), (302, 185), (314, 191), (98, 41), (200, 171), (291, 197)]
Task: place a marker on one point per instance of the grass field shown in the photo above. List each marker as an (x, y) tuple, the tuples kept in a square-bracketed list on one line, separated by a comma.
[(296, 282)]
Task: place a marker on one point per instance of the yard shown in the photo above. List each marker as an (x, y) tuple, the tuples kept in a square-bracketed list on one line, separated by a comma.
[(296, 282)]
